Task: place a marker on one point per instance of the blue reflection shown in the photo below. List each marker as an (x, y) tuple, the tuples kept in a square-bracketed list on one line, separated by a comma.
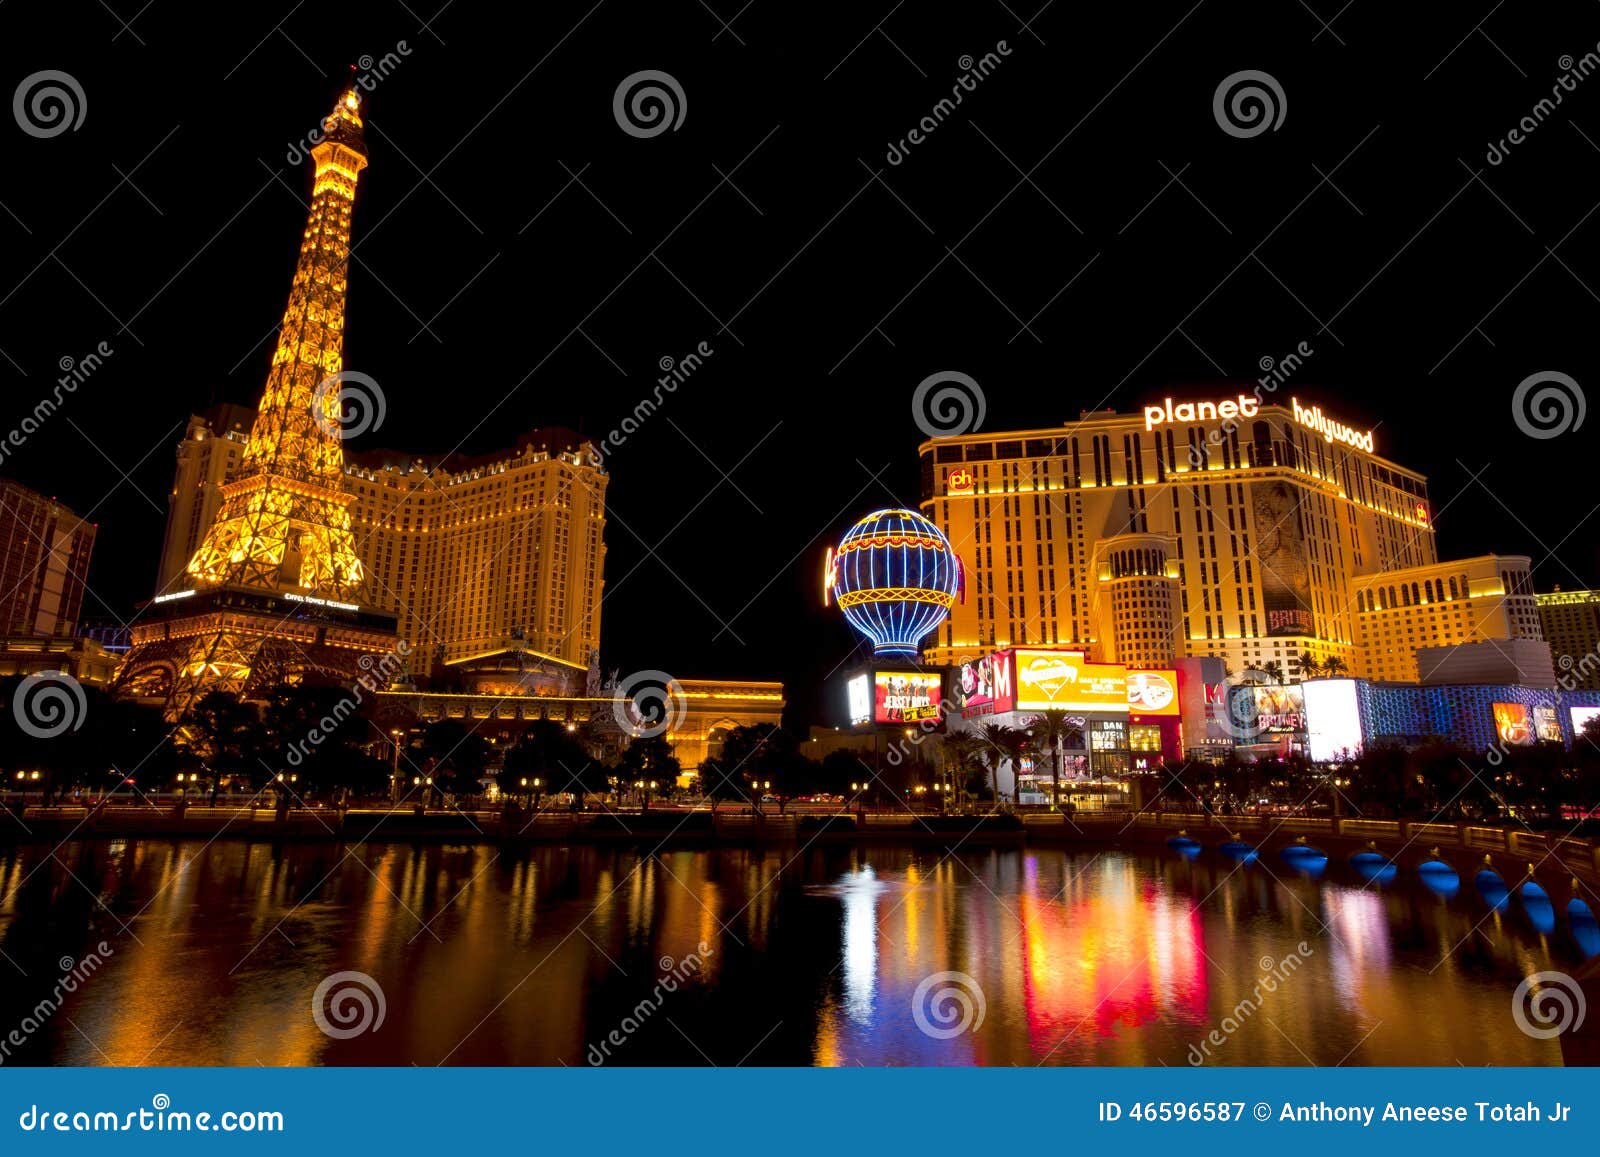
[(1372, 866), (1239, 850), (1304, 858), (1185, 845), (1585, 930), (1541, 913), (1493, 889), (1439, 878)]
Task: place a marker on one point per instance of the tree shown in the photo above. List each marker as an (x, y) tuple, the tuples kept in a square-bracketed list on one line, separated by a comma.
[(1308, 666), (228, 735), (1051, 730), (962, 754), (549, 752), (764, 753), (458, 756), (1001, 744), (1273, 669), (1334, 666), (649, 758)]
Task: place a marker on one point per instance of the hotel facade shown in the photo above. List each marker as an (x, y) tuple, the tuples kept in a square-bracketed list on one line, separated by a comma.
[(471, 553), (1263, 533)]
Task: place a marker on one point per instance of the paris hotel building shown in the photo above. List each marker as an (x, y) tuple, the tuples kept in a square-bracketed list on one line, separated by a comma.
[(1256, 530), (469, 552)]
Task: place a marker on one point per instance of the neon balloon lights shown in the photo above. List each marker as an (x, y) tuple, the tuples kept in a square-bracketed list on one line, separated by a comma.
[(895, 577)]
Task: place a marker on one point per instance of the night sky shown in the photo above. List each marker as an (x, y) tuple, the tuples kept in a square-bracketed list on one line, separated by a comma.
[(1080, 232)]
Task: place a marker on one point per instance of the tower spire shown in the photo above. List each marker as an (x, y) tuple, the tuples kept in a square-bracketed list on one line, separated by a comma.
[(284, 523)]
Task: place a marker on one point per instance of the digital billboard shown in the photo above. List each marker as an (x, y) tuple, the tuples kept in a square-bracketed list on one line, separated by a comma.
[(1064, 680), (906, 696), (1269, 709), (1511, 724), (1546, 725), (1333, 719), (858, 697), (1153, 692), (1281, 557), (983, 686), (1580, 718)]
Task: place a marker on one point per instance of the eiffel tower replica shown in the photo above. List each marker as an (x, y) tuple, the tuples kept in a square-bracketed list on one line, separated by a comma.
[(274, 592)]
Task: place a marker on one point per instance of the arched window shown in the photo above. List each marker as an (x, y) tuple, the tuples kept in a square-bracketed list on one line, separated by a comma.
[(1454, 592)]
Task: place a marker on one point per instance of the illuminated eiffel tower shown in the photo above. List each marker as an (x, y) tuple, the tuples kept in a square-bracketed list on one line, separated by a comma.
[(275, 587)]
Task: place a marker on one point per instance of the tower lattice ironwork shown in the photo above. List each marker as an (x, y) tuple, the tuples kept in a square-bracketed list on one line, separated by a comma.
[(276, 582)]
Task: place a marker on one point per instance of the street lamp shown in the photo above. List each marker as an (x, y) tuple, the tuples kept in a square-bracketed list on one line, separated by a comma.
[(538, 784), (394, 772)]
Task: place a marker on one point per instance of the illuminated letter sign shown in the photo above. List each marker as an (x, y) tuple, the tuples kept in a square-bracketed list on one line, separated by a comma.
[(958, 481), (1243, 406), (1062, 679), (1312, 418)]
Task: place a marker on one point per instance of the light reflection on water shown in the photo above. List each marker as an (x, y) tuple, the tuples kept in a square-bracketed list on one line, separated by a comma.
[(486, 956)]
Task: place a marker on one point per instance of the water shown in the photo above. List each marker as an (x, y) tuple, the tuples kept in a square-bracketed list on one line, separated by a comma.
[(572, 955)]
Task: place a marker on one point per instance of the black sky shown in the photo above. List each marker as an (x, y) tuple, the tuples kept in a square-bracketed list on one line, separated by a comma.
[(523, 261)]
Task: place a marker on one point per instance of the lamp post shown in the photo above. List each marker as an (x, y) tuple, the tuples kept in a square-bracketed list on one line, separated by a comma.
[(394, 771), (538, 787)]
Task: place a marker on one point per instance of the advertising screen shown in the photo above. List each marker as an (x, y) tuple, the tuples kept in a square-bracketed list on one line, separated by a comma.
[(1546, 725), (1511, 723), (983, 686), (1153, 692), (906, 696), (1281, 558), (1269, 709), (858, 698), (1062, 679), (1581, 717), (1333, 720)]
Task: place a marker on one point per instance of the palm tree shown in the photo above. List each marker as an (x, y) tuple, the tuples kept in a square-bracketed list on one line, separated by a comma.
[(960, 752), (999, 744), (1334, 666), (1308, 666), (1051, 729), (1274, 669)]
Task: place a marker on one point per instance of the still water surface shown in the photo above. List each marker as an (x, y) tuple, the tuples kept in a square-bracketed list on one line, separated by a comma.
[(552, 955)]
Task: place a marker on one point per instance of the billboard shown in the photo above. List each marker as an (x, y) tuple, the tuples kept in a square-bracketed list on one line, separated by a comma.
[(906, 696), (1269, 709), (858, 699), (983, 686), (1153, 692), (1511, 724), (1281, 556), (1581, 717), (1333, 719), (1546, 725), (1064, 680)]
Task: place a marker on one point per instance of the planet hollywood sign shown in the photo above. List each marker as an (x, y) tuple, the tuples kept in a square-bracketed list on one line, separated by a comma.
[(1169, 412)]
